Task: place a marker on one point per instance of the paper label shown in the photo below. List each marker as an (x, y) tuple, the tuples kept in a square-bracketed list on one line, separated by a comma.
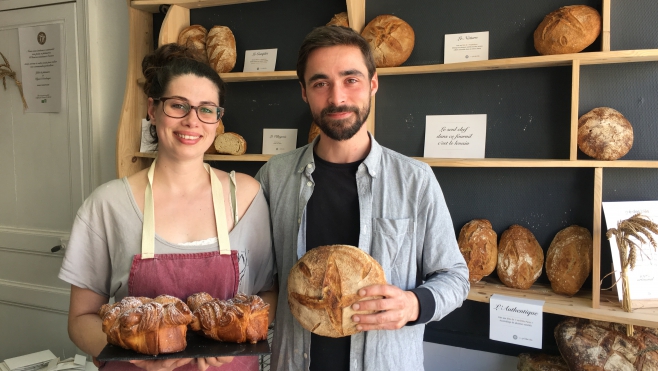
[(277, 141), (259, 60), (466, 47), (516, 320), (455, 136)]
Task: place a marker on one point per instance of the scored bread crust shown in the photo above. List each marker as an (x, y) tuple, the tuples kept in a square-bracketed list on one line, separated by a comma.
[(313, 132), (569, 259), (604, 134), (195, 37), (520, 258), (477, 243), (221, 49), (230, 143), (220, 130), (339, 19), (323, 285), (391, 39), (569, 29)]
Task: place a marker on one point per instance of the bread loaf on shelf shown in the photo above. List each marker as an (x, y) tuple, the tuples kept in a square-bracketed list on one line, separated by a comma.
[(478, 244), (194, 37), (604, 134), (569, 259), (339, 19), (541, 362), (313, 132), (391, 39), (569, 29), (230, 144), (520, 258), (221, 49), (148, 326), (220, 130), (323, 285)]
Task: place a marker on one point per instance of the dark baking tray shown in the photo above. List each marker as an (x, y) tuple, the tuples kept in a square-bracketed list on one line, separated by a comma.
[(197, 347)]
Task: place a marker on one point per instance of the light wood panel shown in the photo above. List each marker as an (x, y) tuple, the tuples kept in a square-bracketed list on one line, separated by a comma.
[(153, 6), (356, 14), (596, 237), (575, 101), (175, 21), (605, 28)]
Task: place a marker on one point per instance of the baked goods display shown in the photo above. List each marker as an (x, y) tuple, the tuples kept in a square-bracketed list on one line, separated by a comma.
[(478, 244), (323, 285), (569, 260), (601, 346), (569, 29), (520, 258), (221, 49), (541, 362), (391, 39), (313, 132), (148, 326), (230, 143), (339, 19), (604, 134), (220, 130), (241, 319), (194, 37)]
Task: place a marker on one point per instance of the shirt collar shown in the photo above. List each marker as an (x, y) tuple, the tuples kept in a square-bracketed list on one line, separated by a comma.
[(372, 162)]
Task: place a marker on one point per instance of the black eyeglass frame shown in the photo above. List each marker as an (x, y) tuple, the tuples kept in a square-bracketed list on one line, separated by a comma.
[(220, 110)]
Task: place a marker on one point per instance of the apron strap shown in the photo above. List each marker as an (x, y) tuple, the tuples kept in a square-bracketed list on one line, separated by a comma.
[(148, 228), (234, 197)]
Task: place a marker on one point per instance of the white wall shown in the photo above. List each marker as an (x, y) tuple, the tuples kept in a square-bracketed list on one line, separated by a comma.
[(446, 358)]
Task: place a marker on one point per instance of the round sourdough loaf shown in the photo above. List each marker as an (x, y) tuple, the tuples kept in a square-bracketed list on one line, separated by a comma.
[(194, 37), (478, 244), (604, 134), (220, 130), (221, 49), (339, 19), (323, 285), (541, 362), (569, 29), (313, 132), (391, 40), (569, 260), (520, 258)]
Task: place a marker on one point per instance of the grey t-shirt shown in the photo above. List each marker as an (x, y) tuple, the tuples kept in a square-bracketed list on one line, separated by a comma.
[(107, 234)]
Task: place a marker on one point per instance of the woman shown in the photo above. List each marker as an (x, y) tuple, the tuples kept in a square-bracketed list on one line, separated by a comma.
[(159, 230)]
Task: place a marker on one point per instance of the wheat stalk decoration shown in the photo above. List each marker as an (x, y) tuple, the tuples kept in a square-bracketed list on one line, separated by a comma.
[(640, 228), (6, 71)]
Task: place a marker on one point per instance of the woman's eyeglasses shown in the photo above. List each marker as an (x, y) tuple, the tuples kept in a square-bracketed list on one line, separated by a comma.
[(178, 108)]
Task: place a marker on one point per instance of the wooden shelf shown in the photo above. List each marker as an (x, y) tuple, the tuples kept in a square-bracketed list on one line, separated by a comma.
[(577, 306), (153, 6)]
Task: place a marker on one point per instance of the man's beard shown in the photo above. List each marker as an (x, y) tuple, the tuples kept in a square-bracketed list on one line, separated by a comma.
[(343, 129)]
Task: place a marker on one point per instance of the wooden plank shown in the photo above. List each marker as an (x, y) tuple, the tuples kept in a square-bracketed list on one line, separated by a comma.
[(175, 21), (258, 76), (153, 6), (575, 99), (506, 162), (596, 237), (605, 28), (246, 157), (129, 131), (356, 14), (370, 122)]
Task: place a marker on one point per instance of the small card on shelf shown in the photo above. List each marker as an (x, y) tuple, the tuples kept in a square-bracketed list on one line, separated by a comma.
[(516, 320), (466, 47), (455, 136), (277, 141), (259, 60)]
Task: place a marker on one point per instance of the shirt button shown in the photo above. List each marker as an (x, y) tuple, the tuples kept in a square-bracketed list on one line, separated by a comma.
[(309, 184), (299, 221), (309, 166), (305, 356)]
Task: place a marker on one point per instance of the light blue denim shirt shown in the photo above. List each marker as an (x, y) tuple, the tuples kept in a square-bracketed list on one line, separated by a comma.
[(405, 226)]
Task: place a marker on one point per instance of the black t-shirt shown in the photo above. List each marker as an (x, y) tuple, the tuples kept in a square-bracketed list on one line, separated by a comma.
[(332, 218)]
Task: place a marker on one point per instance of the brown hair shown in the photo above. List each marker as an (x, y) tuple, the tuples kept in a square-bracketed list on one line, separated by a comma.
[(326, 36)]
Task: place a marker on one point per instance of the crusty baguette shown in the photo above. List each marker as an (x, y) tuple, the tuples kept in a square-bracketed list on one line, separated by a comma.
[(221, 49), (230, 144)]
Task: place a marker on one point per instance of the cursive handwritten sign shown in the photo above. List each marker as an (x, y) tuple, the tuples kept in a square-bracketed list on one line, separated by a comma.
[(455, 136)]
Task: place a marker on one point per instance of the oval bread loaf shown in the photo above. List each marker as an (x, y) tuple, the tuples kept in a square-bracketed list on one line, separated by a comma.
[(520, 258), (569, 260), (230, 144), (604, 134), (478, 244), (194, 37), (323, 285), (221, 49), (339, 19), (569, 29), (313, 132), (391, 39)]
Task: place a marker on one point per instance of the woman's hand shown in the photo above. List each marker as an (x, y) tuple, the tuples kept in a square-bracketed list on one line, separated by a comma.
[(204, 363), (163, 364)]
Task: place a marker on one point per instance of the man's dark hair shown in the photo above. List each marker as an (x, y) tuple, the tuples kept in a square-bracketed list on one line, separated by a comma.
[(333, 36)]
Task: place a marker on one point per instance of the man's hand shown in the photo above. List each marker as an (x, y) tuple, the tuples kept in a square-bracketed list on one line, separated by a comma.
[(395, 309), (162, 365), (204, 363)]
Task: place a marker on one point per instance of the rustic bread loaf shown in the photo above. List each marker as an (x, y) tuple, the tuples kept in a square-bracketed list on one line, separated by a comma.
[(520, 258), (313, 132), (391, 40), (339, 19), (220, 130), (541, 362), (569, 29), (478, 244), (569, 260), (602, 346), (604, 134), (221, 49), (230, 144), (194, 37), (323, 285)]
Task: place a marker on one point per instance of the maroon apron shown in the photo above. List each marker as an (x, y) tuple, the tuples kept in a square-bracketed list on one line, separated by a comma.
[(181, 275)]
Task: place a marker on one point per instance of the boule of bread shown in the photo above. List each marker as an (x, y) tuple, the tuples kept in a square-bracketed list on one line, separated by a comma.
[(569, 29), (313, 132), (541, 362), (588, 345), (391, 39), (230, 143), (221, 49), (339, 19), (220, 130), (194, 37), (520, 258), (569, 260), (148, 326), (604, 134), (478, 244), (323, 285)]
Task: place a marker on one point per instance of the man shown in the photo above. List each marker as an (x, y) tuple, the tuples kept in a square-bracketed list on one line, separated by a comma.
[(344, 188)]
